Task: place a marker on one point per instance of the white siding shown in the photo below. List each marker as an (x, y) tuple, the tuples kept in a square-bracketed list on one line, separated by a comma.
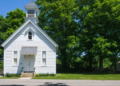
[(38, 40), (45, 69)]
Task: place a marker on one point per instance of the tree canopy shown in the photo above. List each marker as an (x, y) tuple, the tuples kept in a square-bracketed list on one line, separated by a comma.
[(87, 32), (9, 24), (86, 26)]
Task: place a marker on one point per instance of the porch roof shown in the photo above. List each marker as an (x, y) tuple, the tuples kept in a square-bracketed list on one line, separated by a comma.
[(29, 50)]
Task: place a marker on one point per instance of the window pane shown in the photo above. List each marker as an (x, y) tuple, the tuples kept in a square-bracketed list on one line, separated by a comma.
[(15, 54), (15, 61), (31, 11), (30, 33), (29, 37), (44, 62), (44, 54)]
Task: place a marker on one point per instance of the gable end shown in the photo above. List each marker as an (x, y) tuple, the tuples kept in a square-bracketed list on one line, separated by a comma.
[(37, 27)]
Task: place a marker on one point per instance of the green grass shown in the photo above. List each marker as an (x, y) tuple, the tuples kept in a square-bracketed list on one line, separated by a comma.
[(9, 77), (1, 71), (84, 76)]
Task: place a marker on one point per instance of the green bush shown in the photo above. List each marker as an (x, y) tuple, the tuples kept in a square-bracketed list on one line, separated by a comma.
[(1, 65), (52, 74), (41, 75), (37, 75), (12, 75)]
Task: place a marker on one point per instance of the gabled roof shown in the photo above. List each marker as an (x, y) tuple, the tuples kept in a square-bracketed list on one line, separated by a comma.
[(36, 26)]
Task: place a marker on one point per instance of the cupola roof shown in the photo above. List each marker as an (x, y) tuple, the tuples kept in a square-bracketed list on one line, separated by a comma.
[(31, 6)]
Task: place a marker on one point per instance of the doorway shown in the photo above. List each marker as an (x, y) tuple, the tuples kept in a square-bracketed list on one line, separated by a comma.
[(29, 62)]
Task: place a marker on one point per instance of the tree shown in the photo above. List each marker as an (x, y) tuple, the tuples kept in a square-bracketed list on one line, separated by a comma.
[(8, 25), (2, 25), (57, 19), (100, 28)]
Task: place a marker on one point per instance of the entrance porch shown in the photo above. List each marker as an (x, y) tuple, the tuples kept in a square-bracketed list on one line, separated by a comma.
[(29, 64), (28, 68)]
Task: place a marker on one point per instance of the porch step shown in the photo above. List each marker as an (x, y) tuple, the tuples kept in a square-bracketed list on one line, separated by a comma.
[(27, 74)]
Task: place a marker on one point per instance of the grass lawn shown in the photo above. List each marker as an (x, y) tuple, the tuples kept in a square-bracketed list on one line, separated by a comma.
[(84, 76), (9, 77), (1, 71)]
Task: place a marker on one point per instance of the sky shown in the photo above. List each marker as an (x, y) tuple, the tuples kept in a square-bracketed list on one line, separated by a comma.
[(9, 5)]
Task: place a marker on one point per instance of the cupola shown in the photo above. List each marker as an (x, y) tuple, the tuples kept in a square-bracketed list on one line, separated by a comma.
[(32, 10)]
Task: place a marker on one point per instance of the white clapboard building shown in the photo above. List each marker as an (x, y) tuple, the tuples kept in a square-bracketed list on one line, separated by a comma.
[(29, 49)]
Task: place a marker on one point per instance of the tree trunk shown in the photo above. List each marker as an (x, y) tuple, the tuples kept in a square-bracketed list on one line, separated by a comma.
[(90, 62), (101, 64), (64, 58)]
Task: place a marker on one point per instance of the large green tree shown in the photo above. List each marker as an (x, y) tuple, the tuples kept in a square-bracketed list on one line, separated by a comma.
[(100, 29), (9, 24), (57, 19)]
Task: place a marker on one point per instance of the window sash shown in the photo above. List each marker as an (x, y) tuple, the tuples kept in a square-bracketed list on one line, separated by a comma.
[(43, 54), (43, 58), (30, 35), (31, 11), (15, 54), (15, 61), (43, 61)]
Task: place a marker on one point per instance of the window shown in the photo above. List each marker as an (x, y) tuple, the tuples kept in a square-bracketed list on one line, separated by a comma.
[(31, 13), (30, 35), (15, 58), (15, 61), (43, 57)]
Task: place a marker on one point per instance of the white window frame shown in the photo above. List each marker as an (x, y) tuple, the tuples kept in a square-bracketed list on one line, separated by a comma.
[(42, 58), (33, 14), (27, 34), (30, 35), (15, 58)]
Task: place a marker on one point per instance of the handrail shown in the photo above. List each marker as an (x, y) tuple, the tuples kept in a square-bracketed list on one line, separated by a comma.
[(22, 69), (34, 68)]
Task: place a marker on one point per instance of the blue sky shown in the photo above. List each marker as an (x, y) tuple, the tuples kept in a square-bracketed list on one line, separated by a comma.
[(10, 5)]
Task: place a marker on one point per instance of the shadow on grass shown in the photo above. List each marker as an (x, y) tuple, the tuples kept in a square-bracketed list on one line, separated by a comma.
[(50, 84), (94, 73)]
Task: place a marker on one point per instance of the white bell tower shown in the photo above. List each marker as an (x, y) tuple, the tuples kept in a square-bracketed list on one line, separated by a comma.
[(32, 11)]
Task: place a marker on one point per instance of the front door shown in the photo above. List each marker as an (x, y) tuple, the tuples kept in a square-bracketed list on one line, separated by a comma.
[(29, 62)]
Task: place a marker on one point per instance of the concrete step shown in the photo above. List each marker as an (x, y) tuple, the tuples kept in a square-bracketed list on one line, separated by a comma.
[(27, 74)]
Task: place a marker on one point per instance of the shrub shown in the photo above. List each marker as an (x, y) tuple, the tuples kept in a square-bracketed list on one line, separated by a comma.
[(52, 74), (1, 65), (46, 74), (40, 75), (12, 75), (37, 75)]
